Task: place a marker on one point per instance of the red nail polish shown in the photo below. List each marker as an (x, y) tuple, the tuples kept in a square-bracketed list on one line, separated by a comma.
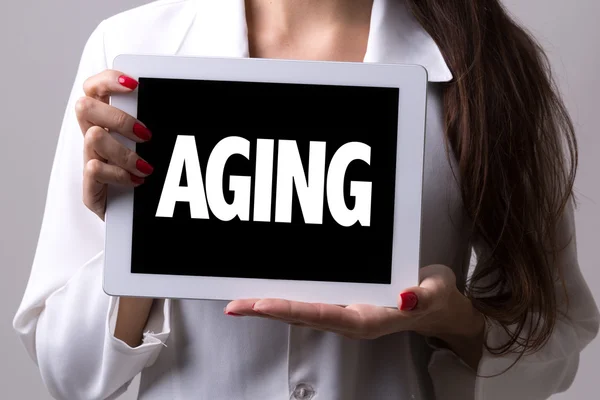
[(128, 82), (409, 301), (141, 131), (233, 314), (136, 179), (144, 167)]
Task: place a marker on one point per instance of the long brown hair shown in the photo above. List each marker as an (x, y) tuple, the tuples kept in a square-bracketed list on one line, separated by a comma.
[(517, 156)]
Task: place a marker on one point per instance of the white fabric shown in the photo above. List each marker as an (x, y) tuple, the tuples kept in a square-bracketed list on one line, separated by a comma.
[(190, 349)]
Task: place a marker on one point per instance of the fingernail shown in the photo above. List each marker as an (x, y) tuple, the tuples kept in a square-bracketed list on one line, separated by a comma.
[(143, 167), (233, 314), (136, 179), (128, 82), (409, 301), (141, 131)]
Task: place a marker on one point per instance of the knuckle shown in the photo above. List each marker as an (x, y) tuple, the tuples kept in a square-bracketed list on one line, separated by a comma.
[(83, 105), (320, 313), (126, 157), (88, 86), (94, 135), (120, 120), (93, 168), (122, 176)]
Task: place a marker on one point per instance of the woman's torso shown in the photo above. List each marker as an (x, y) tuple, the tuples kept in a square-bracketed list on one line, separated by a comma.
[(212, 356)]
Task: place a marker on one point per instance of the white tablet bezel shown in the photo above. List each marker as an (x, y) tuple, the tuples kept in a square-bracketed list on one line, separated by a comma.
[(412, 83)]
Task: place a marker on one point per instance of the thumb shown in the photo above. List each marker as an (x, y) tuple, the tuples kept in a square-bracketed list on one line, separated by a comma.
[(414, 298), (434, 280)]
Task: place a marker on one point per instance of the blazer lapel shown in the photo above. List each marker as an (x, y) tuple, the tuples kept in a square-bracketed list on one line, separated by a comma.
[(396, 37), (159, 31)]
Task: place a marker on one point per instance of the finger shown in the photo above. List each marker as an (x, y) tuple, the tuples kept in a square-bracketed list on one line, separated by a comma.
[(92, 112), (241, 307), (436, 282), (89, 153), (244, 308), (102, 85), (96, 176), (437, 275), (91, 136), (422, 298), (324, 316), (94, 195), (413, 299), (98, 173), (100, 144)]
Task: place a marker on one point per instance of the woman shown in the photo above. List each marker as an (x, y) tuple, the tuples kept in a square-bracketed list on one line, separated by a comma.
[(498, 180)]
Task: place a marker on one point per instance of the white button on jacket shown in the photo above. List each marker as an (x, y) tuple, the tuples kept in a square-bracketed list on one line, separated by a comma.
[(191, 350)]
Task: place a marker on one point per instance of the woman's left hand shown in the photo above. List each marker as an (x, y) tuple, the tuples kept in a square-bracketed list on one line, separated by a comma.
[(434, 308)]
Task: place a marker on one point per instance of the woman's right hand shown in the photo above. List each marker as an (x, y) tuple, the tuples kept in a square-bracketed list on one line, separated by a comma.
[(106, 160)]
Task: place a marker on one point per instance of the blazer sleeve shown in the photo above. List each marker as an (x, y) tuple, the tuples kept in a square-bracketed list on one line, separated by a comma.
[(65, 319), (535, 376)]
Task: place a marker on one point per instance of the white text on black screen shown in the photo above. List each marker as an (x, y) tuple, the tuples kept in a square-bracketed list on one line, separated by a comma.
[(290, 174)]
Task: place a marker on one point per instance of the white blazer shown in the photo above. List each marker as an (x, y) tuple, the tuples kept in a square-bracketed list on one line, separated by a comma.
[(191, 350)]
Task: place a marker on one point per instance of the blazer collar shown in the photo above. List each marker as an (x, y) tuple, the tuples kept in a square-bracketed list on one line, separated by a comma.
[(219, 30)]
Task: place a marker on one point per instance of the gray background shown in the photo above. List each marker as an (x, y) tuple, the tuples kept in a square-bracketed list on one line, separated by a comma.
[(40, 44)]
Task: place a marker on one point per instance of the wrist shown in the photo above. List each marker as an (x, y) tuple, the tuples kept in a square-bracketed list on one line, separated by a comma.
[(132, 316)]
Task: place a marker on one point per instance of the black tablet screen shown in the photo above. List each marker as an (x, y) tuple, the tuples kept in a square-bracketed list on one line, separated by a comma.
[(266, 180)]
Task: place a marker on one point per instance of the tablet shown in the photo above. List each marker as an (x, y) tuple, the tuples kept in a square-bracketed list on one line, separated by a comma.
[(272, 179)]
